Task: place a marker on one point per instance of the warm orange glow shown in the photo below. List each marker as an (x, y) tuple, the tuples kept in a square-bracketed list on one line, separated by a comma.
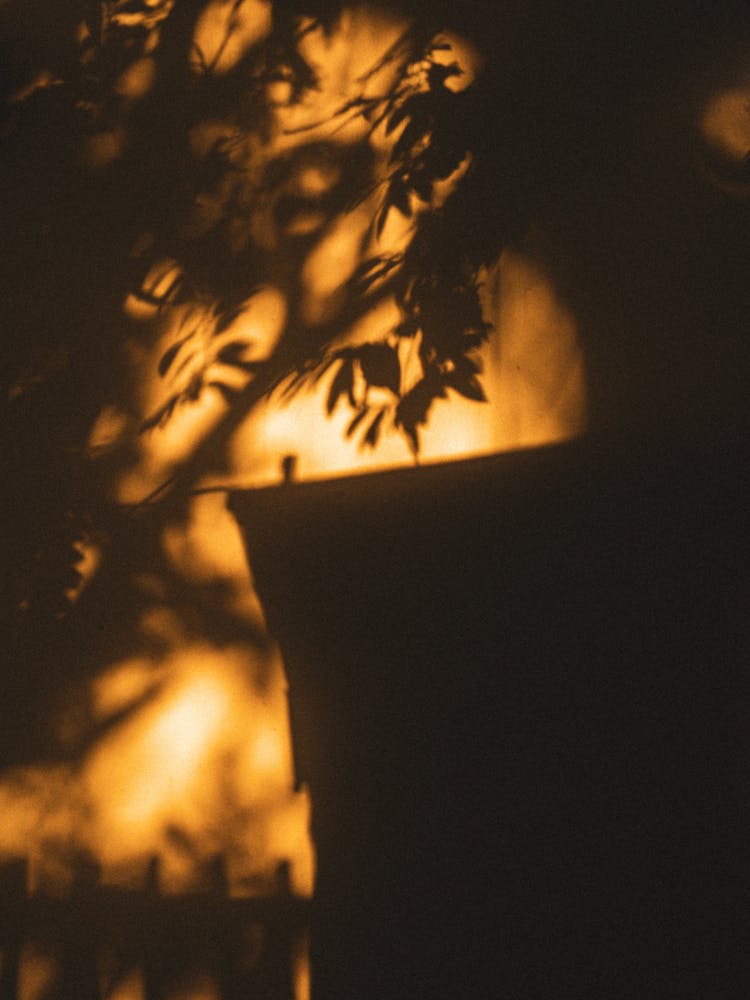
[(104, 147), (348, 60), (301, 963), (226, 30), (45, 78), (534, 378), (192, 756), (202, 747), (208, 545), (196, 757), (190, 330), (90, 557), (122, 685), (341, 59), (201, 765), (109, 428), (149, 766), (130, 988), (136, 81), (470, 60), (40, 806), (37, 972), (726, 122), (331, 264)]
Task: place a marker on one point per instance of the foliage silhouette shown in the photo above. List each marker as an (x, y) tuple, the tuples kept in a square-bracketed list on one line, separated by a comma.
[(544, 132), (431, 291)]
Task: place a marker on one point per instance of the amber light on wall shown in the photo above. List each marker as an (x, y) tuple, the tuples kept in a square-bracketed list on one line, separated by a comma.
[(360, 610), (169, 791)]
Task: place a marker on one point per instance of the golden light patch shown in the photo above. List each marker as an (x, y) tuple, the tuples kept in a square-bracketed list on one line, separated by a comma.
[(301, 968), (39, 805), (122, 685), (332, 262), (207, 546), (200, 763), (226, 31), (726, 123), (38, 971), (137, 80), (107, 431), (465, 54), (345, 61), (130, 987), (144, 771), (103, 148), (89, 559), (533, 377)]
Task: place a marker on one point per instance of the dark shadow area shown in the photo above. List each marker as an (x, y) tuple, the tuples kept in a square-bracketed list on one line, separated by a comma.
[(519, 698), (100, 937)]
